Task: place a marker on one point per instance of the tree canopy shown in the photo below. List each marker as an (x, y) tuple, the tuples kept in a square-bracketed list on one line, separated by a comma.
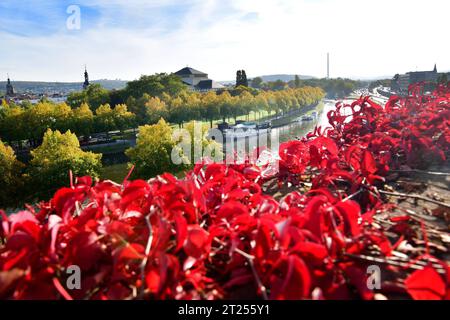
[(57, 155), (95, 96), (10, 175), (151, 155)]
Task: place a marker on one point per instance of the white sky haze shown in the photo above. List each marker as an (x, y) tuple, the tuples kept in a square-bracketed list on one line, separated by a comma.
[(124, 39)]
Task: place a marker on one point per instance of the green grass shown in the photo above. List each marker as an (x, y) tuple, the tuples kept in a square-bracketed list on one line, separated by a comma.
[(116, 172)]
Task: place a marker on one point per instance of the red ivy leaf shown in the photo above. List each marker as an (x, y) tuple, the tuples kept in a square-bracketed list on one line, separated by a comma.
[(426, 284), (197, 242)]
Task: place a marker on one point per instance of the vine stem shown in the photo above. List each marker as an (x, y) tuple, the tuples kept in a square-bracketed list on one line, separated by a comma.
[(403, 264), (250, 258), (433, 173), (61, 289), (414, 196), (352, 195), (147, 253)]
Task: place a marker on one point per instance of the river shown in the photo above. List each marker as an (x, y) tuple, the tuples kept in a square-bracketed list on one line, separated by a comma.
[(301, 129), (242, 145)]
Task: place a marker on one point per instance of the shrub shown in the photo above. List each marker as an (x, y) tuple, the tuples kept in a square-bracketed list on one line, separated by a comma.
[(217, 234)]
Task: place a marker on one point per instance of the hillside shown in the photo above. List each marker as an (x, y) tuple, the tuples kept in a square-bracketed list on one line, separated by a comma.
[(62, 87), (272, 78), (284, 77)]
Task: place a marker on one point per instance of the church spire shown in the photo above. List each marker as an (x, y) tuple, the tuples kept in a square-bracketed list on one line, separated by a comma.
[(9, 88), (435, 68), (86, 78)]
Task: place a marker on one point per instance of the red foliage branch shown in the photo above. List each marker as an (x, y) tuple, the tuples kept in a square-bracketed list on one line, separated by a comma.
[(215, 234)]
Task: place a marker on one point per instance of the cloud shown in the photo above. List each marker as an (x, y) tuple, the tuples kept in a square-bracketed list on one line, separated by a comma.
[(124, 39)]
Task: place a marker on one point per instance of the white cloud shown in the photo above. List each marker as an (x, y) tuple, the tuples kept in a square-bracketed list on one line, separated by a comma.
[(365, 38)]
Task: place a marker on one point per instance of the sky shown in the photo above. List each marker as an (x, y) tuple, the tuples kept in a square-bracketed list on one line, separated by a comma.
[(123, 39)]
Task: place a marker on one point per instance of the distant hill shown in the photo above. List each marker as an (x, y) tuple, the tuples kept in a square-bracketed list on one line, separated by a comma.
[(284, 77), (272, 78), (112, 84), (38, 87)]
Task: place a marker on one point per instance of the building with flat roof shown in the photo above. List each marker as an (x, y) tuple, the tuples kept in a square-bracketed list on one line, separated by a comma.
[(405, 80), (197, 80)]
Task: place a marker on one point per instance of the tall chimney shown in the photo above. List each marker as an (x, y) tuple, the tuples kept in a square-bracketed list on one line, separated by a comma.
[(328, 65)]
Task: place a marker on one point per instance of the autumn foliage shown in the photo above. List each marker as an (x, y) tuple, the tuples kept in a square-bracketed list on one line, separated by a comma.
[(216, 234)]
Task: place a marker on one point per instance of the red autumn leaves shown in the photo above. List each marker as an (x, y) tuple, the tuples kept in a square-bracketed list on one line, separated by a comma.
[(216, 234), (427, 284)]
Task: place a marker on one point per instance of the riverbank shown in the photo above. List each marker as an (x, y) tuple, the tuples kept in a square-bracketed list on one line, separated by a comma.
[(291, 118)]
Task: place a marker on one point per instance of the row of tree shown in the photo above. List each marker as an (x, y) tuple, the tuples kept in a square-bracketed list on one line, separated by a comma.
[(30, 122), (334, 88), (220, 106)]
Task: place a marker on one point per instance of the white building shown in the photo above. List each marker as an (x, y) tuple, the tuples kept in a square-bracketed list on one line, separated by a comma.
[(197, 80)]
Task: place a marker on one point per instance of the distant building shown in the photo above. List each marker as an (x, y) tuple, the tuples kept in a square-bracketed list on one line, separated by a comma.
[(197, 80), (86, 79), (9, 89), (403, 81)]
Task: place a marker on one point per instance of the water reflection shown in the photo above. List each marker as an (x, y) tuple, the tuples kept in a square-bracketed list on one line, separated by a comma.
[(237, 147), (301, 129)]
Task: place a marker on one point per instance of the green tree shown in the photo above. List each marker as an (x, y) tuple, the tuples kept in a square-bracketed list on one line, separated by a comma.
[(177, 111), (95, 96), (246, 102), (443, 79), (152, 153), (262, 104), (104, 119), (123, 119), (76, 99), (13, 125), (45, 115), (192, 102), (241, 78), (226, 105), (10, 176), (244, 79), (82, 120), (297, 81), (155, 85), (55, 157), (277, 85), (210, 106), (62, 114), (256, 83), (208, 147)]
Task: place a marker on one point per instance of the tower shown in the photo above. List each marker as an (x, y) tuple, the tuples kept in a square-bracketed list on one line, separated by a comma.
[(9, 88), (86, 79), (328, 65), (435, 68)]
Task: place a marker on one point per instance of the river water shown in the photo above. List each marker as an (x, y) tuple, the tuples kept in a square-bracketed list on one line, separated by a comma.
[(238, 147), (301, 129)]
